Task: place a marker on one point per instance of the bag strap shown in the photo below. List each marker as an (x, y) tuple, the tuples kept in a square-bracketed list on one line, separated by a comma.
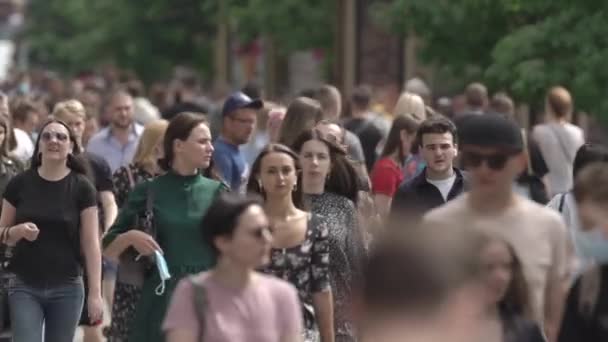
[(200, 303), (562, 200), (130, 176), (568, 156)]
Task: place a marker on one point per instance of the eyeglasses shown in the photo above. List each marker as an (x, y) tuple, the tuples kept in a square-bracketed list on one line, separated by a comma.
[(496, 161), (48, 136), (243, 121)]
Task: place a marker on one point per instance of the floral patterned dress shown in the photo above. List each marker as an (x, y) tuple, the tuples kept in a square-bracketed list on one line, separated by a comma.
[(346, 253), (126, 296), (306, 267)]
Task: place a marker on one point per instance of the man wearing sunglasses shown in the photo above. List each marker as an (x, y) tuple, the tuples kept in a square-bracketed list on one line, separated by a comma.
[(492, 151)]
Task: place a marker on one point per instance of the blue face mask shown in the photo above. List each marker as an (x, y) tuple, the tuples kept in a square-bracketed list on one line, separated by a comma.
[(593, 245), (163, 272)]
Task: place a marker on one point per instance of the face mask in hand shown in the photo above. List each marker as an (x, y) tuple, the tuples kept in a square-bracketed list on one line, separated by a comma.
[(592, 244), (163, 272)]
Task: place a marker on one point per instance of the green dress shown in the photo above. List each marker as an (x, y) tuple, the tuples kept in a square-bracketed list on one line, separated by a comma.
[(179, 205)]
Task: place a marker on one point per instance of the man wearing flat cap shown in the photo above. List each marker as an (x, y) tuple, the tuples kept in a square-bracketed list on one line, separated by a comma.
[(239, 115), (492, 151)]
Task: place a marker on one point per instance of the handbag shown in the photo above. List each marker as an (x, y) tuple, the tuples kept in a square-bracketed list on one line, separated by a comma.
[(538, 190), (133, 268)]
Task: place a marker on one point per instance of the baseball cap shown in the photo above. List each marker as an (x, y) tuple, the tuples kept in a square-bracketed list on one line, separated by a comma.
[(490, 130), (239, 100)]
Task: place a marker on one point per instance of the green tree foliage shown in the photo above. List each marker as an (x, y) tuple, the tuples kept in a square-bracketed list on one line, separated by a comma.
[(522, 46), (149, 36)]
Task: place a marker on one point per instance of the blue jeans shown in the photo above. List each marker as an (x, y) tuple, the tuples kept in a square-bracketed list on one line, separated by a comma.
[(58, 308)]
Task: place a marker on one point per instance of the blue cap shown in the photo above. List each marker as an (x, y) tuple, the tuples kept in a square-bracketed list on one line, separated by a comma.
[(239, 100)]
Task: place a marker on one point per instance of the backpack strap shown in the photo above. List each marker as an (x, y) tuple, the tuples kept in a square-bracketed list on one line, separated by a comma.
[(588, 292), (562, 200), (200, 303)]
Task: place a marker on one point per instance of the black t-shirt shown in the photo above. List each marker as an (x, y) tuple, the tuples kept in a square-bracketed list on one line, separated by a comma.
[(369, 134), (102, 177), (55, 207)]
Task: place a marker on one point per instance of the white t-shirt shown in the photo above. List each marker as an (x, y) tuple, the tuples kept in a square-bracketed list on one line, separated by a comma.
[(444, 185), (25, 146), (537, 234), (558, 143)]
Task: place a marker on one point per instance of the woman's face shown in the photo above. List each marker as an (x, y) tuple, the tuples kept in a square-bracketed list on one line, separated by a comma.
[(407, 141), (55, 144), (278, 174), (498, 265), (315, 161), (249, 245), (197, 149)]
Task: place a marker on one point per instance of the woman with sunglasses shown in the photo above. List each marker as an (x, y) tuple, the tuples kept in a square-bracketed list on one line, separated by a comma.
[(179, 200), (253, 307), (49, 216), (300, 246), (329, 183)]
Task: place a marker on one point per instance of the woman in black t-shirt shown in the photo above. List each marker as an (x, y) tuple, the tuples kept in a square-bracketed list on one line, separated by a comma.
[(49, 216)]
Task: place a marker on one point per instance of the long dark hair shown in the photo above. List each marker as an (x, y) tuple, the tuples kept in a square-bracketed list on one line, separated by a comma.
[(252, 183), (342, 179), (76, 160), (180, 128), (393, 141)]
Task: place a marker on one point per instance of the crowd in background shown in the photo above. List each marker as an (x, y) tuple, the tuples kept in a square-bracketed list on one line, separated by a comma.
[(229, 216)]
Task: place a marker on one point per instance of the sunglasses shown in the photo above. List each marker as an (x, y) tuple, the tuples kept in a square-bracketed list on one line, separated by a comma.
[(48, 136), (261, 232), (496, 161)]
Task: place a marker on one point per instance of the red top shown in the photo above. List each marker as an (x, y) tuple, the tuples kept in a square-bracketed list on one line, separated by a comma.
[(386, 177)]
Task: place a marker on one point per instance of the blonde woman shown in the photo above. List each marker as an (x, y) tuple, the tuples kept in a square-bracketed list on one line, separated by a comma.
[(144, 167), (73, 114), (411, 105)]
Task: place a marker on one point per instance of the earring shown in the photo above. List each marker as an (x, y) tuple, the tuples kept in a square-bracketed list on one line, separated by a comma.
[(260, 186), (295, 187)]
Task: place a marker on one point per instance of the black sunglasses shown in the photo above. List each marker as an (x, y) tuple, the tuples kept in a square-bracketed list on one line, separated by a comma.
[(495, 161), (48, 136), (261, 232)]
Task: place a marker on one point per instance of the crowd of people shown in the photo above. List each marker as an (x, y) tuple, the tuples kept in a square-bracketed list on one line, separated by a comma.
[(182, 217)]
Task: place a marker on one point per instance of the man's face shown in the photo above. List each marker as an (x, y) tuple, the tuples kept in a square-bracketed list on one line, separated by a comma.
[(121, 109), (240, 125), (439, 151), (492, 170)]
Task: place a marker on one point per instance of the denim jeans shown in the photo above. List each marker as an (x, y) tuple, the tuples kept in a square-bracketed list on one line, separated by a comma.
[(58, 308)]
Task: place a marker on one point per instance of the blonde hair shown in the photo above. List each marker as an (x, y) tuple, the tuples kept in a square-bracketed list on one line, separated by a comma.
[(410, 105), (152, 136), (69, 107)]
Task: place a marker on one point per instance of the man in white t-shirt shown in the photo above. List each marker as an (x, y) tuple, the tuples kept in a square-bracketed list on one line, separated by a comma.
[(492, 151), (559, 140), (439, 181)]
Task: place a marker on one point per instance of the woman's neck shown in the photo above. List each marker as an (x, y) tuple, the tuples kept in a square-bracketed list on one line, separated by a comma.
[(182, 168), (311, 187), (53, 171), (232, 275), (281, 207)]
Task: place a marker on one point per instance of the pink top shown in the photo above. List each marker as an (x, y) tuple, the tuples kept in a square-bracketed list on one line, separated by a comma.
[(267, 310)]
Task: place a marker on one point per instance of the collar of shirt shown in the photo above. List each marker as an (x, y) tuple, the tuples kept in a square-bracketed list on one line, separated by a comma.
[(135, 131)]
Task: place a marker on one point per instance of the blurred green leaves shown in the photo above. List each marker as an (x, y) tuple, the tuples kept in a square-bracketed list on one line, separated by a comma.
[(522, 46)]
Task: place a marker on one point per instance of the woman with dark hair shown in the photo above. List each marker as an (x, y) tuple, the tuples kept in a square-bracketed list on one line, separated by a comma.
[(49, 213), (387, 173), (237, 230), (329, 183), (507, 292), (9, 166), (178, 201), (300, 246)]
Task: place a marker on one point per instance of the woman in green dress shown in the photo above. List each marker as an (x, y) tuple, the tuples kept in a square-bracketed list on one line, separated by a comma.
[(180, 199)]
